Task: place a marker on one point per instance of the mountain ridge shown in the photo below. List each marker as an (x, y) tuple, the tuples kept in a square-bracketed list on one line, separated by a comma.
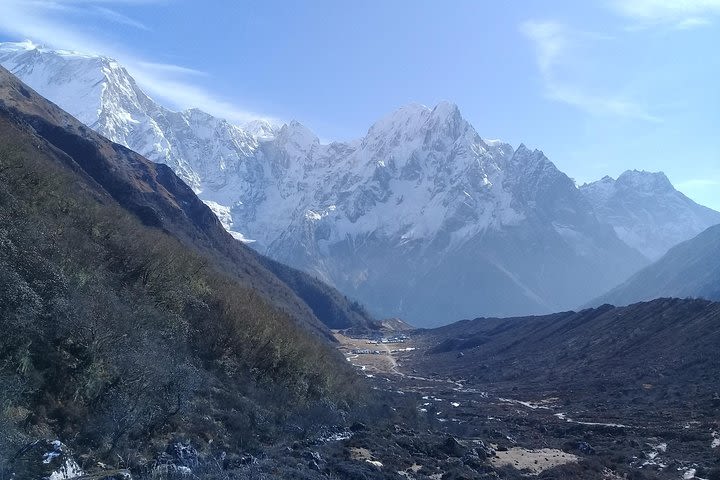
[(688, 270), (647, 212), (153, 193), (131, 319), (383, 217)]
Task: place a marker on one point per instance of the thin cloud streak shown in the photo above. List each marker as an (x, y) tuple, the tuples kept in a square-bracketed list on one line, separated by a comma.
[(41, 22), (680, 14), (119, 18), (83, 8), (551, 41), (172, 69)]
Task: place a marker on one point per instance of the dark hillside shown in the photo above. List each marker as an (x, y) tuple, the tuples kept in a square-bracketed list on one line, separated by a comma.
[(157, 197), (665, 350), (129, 317), (688, 270), (332, 307)]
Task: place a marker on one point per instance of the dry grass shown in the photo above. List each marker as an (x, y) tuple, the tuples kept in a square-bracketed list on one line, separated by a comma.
[(537, 461)]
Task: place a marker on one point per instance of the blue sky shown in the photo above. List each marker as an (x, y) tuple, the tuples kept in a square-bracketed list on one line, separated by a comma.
[(600, 86)]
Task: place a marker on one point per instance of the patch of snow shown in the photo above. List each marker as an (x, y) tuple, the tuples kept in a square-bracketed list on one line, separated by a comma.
[(70, 469), (50, 456), (531, 405), (224, 214), (563, 416), (338, 437), (240, 236)]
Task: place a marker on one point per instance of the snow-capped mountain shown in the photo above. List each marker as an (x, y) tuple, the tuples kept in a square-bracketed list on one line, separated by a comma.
[(420, 218), (647, 212), (99, 92)]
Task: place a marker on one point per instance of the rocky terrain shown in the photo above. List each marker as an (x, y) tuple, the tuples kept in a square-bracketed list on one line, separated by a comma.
[(133, 321), (494, 398), (598, 394)]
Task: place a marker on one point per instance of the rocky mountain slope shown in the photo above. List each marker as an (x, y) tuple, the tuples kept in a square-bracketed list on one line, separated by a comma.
[(424, 219), (100, 93), (631, 389), (130, 317), (79, 79), (420, 218), (647, 212), (630, 354), (691, 269)]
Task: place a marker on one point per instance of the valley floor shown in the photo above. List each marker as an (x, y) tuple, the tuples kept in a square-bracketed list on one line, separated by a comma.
[(535, 435), (427, 423)]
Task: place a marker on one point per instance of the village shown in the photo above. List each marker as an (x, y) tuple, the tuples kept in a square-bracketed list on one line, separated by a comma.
[(381, 340)]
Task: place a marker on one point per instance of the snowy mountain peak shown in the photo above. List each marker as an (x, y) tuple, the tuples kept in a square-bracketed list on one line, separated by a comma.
[(260, 129), (77, 82), (406, 119), (599, 190), (647, 212), (523, 152), (642, 181), (297, 134), (198, 115), (446, 120), (421, 205), (28, 46), (416, 120), (527, 159), (446, 109), (447, 114)]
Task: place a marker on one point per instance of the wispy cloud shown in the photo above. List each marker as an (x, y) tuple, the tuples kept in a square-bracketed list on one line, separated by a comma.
[(171, 69), (681, 14), (83, 8), (118, 17), (50, 22), (550, 41), (555, 47)]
